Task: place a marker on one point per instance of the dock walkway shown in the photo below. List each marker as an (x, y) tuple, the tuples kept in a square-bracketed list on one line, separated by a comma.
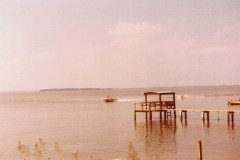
[(165, 112), (165, 105)]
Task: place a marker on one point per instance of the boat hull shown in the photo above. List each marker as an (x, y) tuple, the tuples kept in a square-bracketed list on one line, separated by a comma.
[(234, 103), (109, 99)]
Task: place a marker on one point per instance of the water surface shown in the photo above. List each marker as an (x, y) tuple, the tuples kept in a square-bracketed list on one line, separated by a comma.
[(81, 121)]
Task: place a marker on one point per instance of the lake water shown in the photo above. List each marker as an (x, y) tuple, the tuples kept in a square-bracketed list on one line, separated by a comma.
[(79, 121)]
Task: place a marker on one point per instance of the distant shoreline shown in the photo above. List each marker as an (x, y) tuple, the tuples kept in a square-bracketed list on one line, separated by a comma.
[(162, 88), (73, 89)]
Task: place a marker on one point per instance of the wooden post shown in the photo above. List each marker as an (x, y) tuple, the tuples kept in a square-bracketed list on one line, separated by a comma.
[(199, 150), (203, 115), (150, 115), (135, 117), (230, 115), (207, 115), (174, 101), (185, 114), (165, 114)]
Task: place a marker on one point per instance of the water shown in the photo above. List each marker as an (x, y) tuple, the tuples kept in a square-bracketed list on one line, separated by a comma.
[(79, 121)]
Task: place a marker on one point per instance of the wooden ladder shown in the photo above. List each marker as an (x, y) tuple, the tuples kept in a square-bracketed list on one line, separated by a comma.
[(169, 113)]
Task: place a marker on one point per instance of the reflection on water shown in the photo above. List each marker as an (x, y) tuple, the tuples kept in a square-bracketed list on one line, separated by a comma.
[(231, 125), (157, 136), (176, 139), (184, 123), (206, 123)]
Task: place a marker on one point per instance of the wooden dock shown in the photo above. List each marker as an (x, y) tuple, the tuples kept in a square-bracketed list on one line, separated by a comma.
[(165, 106), (164, 102), (166, 113)]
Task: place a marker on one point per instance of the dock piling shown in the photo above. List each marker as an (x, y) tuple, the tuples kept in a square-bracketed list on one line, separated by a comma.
[(199, 150), (203, 115), (230, 116), (185, 114), (166, 108)]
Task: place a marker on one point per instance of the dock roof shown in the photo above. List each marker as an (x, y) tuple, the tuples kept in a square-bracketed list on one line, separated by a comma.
[(159, 92)]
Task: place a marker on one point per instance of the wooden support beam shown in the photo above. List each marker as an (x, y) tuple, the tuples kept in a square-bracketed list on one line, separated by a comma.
[(230, 115), (199, 150), (175, 114), (185, 114), (160, 114), (203, 115), (150, 115)]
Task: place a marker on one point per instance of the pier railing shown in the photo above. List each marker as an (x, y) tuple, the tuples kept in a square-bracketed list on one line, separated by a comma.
[(166, 111), (166, 108)]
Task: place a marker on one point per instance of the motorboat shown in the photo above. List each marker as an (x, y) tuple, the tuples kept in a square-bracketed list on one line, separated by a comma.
[(234, 102), (109, 99)]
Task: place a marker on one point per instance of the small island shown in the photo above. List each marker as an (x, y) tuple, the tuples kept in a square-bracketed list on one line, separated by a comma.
[(73, 89)]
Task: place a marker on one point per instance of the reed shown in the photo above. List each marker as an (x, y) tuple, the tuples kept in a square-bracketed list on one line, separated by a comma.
[(76, 156), (132, 154), (23, 150), (59, 151), (40, 152)]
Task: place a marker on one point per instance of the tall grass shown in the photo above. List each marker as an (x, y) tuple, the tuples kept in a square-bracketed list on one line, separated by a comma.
[(40, 152), (132, 154)]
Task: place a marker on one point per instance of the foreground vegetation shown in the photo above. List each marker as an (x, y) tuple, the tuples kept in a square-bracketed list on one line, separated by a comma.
[(41, 151)]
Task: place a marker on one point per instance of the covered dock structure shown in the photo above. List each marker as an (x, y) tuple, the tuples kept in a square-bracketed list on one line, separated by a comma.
[(163, 102)]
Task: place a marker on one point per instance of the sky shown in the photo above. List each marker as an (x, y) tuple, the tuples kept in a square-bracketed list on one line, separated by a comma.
[(118, 43)]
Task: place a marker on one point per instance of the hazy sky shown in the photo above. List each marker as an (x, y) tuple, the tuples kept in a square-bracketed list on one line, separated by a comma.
[(118, 43)]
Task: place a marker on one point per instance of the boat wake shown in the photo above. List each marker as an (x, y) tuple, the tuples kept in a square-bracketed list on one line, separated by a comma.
[(130, 100)]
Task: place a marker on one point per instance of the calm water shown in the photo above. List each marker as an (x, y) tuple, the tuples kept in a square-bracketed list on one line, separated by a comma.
[(81, 121)]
